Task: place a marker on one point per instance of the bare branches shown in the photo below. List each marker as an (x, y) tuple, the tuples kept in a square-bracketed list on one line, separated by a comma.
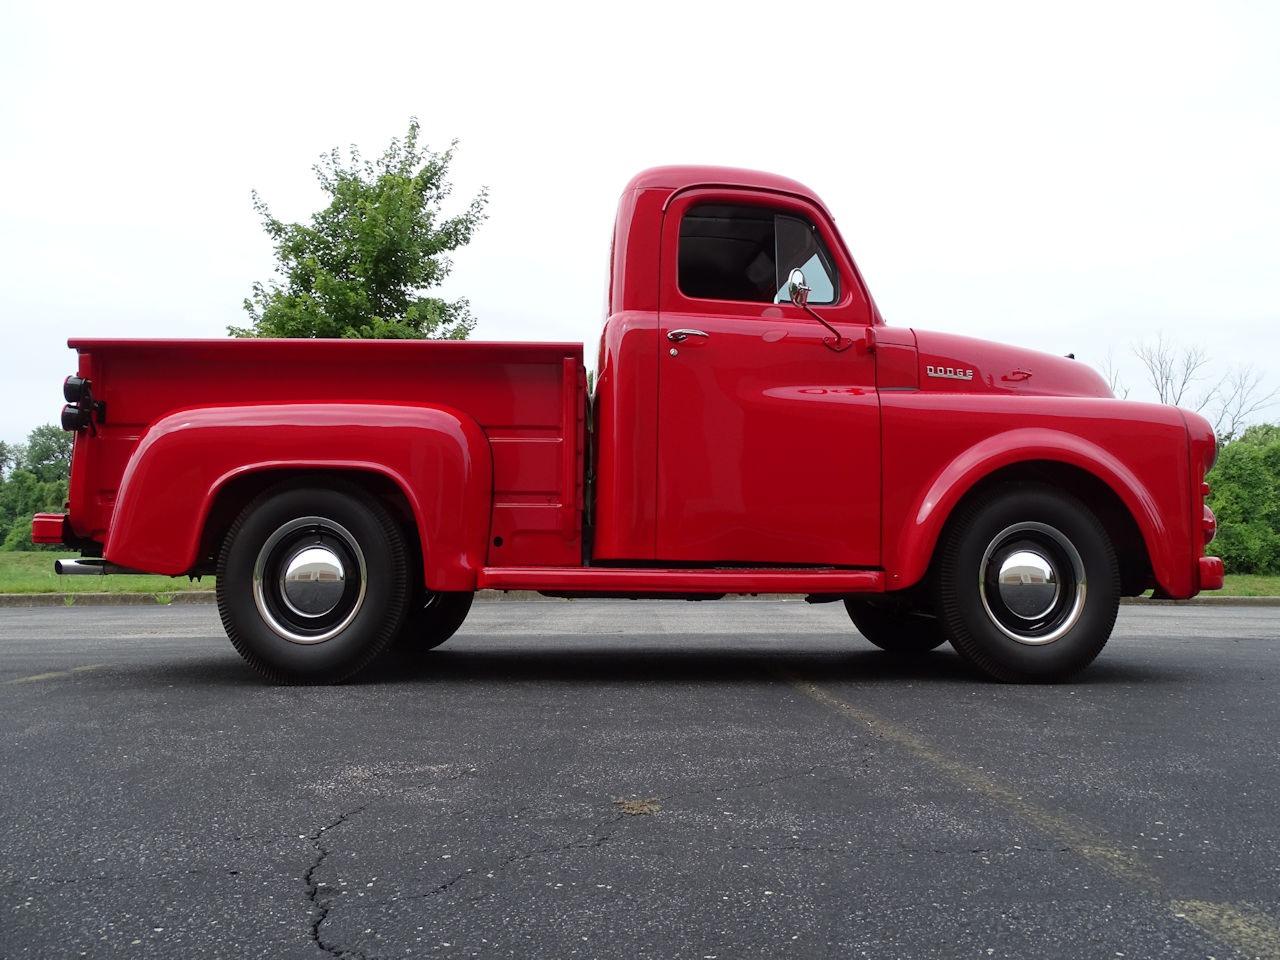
[(1171, 370), (1112, 374), (1238, 397)]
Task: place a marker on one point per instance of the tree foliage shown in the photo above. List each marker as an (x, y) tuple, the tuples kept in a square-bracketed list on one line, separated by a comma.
[(363, 266), (1246, 501), (47, 453), (33, 479)]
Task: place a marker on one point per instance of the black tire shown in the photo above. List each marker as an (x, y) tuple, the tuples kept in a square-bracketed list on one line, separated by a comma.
[(994, 597), (900, 631), (434, 618), (330, 549)]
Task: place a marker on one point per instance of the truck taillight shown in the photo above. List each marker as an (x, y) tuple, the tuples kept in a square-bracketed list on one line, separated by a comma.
[(81, 409), (76, 418), (74, 389)]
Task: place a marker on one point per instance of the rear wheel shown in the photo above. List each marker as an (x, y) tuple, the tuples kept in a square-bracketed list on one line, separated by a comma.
[(312, 582), (435, 618), (1028, 586), (895, 629)]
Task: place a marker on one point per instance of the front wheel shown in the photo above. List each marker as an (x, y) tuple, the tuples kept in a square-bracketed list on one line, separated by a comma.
[(1027, 585), (312, 582)]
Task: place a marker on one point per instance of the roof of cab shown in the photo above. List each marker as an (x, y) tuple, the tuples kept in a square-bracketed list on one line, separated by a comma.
[(681, 177)]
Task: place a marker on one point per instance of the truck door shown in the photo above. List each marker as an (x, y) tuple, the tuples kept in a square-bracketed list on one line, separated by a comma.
[(768, 439)]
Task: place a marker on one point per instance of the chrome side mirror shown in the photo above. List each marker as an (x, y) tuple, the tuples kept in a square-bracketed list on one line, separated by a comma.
[(797, 289)]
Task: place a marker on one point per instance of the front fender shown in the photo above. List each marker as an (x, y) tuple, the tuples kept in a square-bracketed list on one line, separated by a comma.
[(910, 548), (438, 458)]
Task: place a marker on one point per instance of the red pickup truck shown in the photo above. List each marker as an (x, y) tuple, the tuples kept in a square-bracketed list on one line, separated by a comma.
[(755, 427)]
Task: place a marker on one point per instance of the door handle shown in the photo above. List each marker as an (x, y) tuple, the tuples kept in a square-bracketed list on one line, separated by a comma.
[(680, 336)]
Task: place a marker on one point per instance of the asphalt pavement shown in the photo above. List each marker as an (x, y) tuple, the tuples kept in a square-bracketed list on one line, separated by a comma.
[(637, 780)]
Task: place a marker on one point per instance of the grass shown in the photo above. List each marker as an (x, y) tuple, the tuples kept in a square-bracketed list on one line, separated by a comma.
[(32, 572), (1249, 585)]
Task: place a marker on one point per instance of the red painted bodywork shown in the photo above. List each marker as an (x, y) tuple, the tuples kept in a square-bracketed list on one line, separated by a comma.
[(483, 441), (433, 455), (755, 459)]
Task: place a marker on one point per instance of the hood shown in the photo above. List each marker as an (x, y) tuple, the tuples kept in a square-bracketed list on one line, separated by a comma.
[(954, 364)]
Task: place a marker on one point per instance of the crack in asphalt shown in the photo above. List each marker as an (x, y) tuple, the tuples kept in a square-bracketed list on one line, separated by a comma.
[(322, 905), (738, 788), (594, 839), (588, 844)]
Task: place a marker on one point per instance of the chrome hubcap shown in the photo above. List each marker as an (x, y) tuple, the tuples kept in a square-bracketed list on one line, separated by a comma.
[(1028, 584), (313, 582), (1032, 583), (309, 580)]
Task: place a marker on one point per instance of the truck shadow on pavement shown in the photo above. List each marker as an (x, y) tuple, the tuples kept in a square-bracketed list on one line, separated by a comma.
[(514, 663), (674, 666)]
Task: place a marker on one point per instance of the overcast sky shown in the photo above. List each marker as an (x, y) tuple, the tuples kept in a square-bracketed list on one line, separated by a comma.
[(1070, 177)]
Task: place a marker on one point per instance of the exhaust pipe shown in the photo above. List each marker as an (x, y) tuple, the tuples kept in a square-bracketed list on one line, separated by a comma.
[(88, 567)]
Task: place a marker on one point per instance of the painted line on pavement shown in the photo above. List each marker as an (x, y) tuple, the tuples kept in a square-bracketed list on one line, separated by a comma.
[(59, 674), (1243, 928)]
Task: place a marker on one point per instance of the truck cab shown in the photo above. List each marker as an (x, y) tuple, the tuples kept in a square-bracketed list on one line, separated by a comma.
[(762, 430), (756, 426)]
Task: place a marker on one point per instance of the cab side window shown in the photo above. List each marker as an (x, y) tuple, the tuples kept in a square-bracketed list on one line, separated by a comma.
[(745, 253)]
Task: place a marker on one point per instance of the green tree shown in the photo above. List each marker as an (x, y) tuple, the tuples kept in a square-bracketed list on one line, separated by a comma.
[(364, 264), (47, 453), (1261, 434), (1246, 500), (6, 458), (36, 483)]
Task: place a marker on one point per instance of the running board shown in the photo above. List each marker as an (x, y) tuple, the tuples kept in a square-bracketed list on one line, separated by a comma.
[(617, 580)]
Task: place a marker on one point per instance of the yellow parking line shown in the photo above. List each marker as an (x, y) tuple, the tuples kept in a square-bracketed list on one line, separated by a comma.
[(58, 674), (1247, 930), (1251, 932)]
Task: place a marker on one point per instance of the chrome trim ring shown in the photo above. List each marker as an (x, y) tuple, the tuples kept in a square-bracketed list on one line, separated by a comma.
[(1032, 583), (309, 580)]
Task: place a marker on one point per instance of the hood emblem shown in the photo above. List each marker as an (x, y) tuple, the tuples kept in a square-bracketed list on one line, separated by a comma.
[(1016, 376), (948, 373)]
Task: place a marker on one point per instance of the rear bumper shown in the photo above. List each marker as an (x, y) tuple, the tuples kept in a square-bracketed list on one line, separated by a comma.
[(50, 528), (1211, 573)]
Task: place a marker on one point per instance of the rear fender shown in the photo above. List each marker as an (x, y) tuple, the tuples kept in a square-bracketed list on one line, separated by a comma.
[(910, 548), (438, 458)]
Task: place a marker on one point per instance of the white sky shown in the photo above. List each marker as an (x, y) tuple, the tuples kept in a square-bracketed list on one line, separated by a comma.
[(1071, 177)]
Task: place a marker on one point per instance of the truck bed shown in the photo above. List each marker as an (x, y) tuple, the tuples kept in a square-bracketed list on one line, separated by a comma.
[(528, 398)]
